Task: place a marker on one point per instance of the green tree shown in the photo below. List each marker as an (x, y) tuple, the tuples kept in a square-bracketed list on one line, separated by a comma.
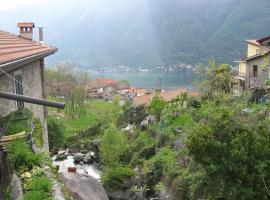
[(231, 151), (114, 144), (214, 78), (112, 149), (55, 133), (157, 105)]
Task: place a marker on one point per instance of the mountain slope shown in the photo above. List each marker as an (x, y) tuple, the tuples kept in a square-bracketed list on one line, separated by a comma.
[(102, 33)]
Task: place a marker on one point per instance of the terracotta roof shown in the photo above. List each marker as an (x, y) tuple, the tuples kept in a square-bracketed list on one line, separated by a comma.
[(166, 95), (26, 24), (13, 47), (106, 81), (258, 42)]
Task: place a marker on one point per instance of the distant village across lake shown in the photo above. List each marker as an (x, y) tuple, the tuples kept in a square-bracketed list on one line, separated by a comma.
[(168, 78)]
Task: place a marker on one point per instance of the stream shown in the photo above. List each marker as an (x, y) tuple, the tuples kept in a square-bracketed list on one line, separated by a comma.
[(90, 169)]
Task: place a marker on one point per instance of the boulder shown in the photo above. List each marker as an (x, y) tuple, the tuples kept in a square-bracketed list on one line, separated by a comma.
[(61, 157), (74, 148), (123, 195), (78, 157), (150, 119), (95, 144), (16, 192), (83, 186), (88, 158)]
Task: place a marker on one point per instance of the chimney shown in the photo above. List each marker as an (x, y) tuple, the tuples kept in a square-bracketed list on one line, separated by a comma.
[(40, 30), (26, 30)]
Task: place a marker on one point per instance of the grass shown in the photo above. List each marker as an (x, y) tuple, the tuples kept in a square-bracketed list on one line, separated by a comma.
[(97, 111), (22, 156)]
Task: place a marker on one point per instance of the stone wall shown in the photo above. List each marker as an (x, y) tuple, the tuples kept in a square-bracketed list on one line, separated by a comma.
[(33, 80)]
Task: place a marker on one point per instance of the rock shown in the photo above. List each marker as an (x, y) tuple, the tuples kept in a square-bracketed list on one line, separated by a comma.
[(150, 119), (88, 158), (78, 158), (74, 148), (16, 192), (123, 195), (61, 157), (83, 186), (84, 151), (95, 144)]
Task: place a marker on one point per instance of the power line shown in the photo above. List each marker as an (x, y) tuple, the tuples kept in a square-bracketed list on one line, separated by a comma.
[(27, 88)]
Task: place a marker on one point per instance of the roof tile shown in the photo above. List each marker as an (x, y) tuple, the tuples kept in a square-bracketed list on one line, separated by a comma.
[(13, 47)]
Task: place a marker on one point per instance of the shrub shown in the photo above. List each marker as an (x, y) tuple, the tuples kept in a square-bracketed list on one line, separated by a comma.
[(38, 132), (157, 105), (114, 178), (43, 184), (55, 133), (163, 163), (18, 121), (22, 156), (37, 195)]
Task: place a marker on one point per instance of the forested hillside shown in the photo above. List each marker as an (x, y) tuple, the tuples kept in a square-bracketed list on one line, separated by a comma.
[(147, 32)]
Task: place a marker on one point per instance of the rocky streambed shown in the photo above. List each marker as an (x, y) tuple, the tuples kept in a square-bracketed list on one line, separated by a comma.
[(85, 164)]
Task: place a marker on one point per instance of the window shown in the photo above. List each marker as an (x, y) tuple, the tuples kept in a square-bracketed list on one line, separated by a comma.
[(257, 51), (255, 70), (19, 89)]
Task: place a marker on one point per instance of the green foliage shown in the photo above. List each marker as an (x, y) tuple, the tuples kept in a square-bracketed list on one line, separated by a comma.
[(113, 146), (42, 183), (231, 149), (132, 114), (112, 149), (38, 132), (55, 133), (114, 178), (19, 121), (22, 156), (143, 147), (157, 105), (215, 78), (163, 163), (39, 188)]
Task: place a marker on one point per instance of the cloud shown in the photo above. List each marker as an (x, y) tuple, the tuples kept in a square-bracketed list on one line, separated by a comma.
[(9, 4)]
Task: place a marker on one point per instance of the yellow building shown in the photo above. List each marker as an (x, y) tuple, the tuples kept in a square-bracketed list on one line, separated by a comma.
[(254, 69)]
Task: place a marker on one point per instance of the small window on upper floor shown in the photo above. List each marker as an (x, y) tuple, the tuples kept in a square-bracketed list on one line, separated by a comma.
[(257, 51), (255, 70)]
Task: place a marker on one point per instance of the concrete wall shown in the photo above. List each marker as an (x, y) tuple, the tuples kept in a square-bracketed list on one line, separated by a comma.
[(252, 49), (32, 78)]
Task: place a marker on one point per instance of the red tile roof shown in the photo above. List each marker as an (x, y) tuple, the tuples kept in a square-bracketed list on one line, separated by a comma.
[(166, 95), (258, 42), (13, 47)]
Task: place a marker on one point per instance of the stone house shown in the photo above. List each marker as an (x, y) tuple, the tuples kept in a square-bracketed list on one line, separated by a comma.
[(254, 69), (22, 70)]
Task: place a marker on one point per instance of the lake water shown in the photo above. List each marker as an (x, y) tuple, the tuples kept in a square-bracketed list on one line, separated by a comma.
[(150, 80)]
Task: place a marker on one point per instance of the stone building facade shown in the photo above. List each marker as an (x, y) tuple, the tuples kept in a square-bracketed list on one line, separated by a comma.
[(254, 69), (22, 72)]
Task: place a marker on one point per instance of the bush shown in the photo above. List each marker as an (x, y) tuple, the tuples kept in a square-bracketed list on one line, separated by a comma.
[(22, 156), (163, 163), (114, 178), (18, 121), (56, 131), (157, 105), (38, 132), (42, 184)]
